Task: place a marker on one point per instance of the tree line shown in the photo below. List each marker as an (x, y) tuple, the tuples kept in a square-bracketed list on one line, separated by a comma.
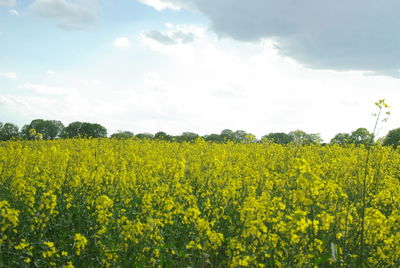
[(50, 130), (54, 129)]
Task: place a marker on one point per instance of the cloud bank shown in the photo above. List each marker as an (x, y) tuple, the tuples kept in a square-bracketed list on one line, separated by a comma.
[(175, 34), (9, 3), (338, 35), (70, 15)]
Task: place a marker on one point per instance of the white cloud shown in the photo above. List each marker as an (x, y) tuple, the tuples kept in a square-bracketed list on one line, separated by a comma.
[(178, 40), (9, 3), (348, 35), (50, 72), (13, 12), (160, 4), (9, 75), (176, 34), (48, 101), (69, 15), (121, 42)]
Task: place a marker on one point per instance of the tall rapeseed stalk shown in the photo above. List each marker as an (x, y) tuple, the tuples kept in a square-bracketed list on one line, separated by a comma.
[(381, 105)]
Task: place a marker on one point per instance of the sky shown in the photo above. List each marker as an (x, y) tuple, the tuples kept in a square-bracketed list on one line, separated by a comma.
[(201, 65)]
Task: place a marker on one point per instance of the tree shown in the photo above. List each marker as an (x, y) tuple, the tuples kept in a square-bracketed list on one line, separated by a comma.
[(93, 130), (53, 128), (279, 138), (24, 132), (84, 130), (302, 138), (49, 129), (227, 135), (187, 137), (227, 132), (239, 135), (39, 125), (8, 131), (145, 136), (214, 138), (341, 139), (392, 138), (122, 135), (314, 138), (361, 136), (161, 135), (72, 130)]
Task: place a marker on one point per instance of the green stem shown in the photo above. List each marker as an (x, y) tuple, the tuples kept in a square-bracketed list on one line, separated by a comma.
[(364, 190)]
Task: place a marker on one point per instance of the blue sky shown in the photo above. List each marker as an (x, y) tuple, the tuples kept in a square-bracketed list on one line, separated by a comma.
[(200, 65)]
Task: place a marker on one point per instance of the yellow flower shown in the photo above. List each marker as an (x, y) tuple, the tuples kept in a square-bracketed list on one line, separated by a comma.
[(51, 251), (9, 217), (22, 245), (80, 243), (69, 265)]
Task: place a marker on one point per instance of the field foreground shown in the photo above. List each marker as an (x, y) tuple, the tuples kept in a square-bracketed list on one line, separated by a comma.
[(115, 203)]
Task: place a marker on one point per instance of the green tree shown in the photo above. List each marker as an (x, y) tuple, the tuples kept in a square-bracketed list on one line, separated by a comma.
[(93, 130), (145, 136), (53, 129), (341, 139), (239, 135), (49, 129), (84, 130), (187, 137), (302, 138), (40, 126), (27, 133), (72, 130), (214, 138), (123, 135), (8, 131), (392, 138), (227, 135), (361, 136), (161, 135), (279, 137)]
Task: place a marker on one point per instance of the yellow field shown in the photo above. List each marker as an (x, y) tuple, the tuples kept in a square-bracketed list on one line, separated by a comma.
[(93, 203)]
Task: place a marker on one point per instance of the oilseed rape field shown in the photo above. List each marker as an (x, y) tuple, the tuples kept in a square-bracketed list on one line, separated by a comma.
[(138, 203)]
